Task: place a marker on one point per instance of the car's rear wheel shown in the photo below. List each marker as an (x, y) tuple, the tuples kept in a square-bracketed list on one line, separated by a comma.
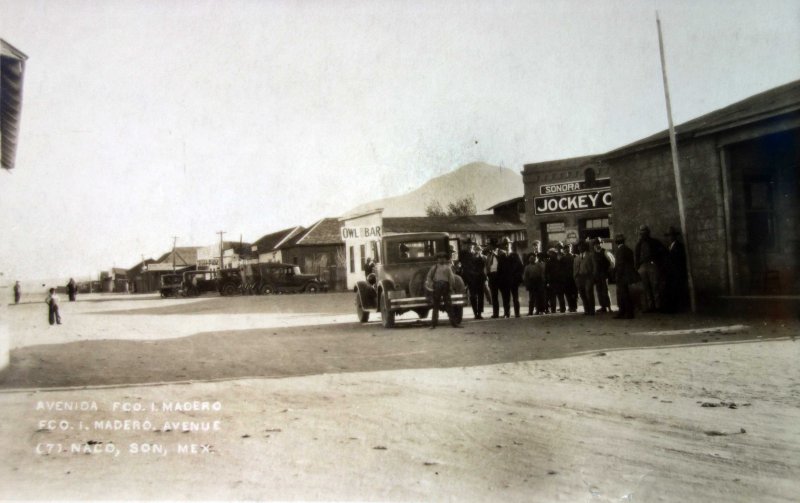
[(387, 315), (363, 316), (266, 290), (229, 289), (312, 288)]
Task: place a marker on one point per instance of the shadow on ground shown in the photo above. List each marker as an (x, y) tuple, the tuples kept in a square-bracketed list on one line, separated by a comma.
[(346, 348)]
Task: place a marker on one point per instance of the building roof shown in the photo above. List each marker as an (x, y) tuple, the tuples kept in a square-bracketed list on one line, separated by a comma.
[(12, 72), (274, 240), (504, 203), (471, 223), (774, 102), (238, 247), (327, 231), (184, 256)]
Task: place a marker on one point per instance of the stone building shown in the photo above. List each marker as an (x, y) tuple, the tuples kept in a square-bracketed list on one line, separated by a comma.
[(740, 169)]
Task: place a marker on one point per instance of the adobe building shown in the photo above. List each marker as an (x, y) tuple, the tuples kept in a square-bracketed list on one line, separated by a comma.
[(740, 169), (362, 233), (318, 250)]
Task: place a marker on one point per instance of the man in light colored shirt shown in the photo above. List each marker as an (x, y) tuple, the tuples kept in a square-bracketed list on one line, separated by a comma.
[(442, 280), (52, 301)]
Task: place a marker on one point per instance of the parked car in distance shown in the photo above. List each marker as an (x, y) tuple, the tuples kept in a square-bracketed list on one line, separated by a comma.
[(198, 282), (171, 285), (275, 277)]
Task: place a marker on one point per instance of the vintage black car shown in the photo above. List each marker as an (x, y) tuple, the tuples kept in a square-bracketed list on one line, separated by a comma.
[(198, 282), (274, 277), (171, 285)]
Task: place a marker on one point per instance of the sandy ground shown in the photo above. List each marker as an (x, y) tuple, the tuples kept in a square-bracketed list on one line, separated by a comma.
[(312, 406)]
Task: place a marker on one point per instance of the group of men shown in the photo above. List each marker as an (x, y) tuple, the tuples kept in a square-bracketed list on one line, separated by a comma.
[(555, 280)]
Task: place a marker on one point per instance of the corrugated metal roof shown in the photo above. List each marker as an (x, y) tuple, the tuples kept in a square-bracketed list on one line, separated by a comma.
[(12, 71)]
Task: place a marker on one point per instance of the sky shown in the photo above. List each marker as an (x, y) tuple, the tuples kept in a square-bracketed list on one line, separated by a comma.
[(144, 120)]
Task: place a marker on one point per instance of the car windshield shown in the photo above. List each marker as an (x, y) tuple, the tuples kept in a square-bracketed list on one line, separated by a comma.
[(416, 250)]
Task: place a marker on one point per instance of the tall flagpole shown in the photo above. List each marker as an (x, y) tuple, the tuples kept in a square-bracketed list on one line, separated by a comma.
[(676, 168)]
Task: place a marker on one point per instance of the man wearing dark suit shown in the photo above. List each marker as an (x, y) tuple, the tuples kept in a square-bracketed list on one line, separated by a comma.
[(625, 275), (505, 275), (649, 259), (493, 259), (676, 289)]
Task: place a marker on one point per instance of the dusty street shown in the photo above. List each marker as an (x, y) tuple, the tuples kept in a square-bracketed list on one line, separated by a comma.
[(287, 397)]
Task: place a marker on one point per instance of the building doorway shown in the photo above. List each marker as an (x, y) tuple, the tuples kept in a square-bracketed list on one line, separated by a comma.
[(765, 213)]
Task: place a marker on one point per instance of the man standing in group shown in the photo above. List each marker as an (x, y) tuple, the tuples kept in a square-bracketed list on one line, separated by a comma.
[(443, 281), (601, 275), (493, 258), (473, 270), (52, 307), (516, 268), (566, 259), (625, 275), (585, 271), (648, 260), (505, 274), (676, 284)]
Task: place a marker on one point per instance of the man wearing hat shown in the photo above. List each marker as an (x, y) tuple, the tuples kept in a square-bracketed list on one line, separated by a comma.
[(649, 259), (473, 270), (494, 256), (442, 280), (625, 275), (676, 289)]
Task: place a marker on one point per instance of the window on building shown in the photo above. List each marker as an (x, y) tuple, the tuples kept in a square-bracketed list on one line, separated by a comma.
[(352, 259), (363, 250)]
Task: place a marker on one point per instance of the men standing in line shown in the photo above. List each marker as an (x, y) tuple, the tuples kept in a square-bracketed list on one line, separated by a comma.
[(625, 275), (72, 289), (566, 263), (52, 307), (676, 291), (492, 263), (601, 275), (649, 260), (553, 287), (516, 269), (584, 277), (505, 274), (473, 270)]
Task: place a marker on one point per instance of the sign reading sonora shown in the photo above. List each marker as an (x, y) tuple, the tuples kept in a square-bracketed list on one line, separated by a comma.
[(573, 186), (361, 232), (595, 200)]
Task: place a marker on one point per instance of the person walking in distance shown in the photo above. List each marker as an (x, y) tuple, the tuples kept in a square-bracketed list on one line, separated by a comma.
[(52, 307), (72, 289), (442, 280), (17, 292), (625, 275), (648, 261)]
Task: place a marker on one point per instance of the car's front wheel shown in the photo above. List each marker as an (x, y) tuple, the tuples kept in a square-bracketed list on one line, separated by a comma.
[(266, 290), (312, 288)]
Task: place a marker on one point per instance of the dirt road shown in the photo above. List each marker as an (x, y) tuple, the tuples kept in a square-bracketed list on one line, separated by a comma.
[(287, 397)]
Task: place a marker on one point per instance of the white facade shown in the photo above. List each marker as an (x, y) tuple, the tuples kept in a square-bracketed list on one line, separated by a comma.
[(362, 236)]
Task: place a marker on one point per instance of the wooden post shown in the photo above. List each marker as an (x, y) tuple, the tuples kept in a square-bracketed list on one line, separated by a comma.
[(676, 168)]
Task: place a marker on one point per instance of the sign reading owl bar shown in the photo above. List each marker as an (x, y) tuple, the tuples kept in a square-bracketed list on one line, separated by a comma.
[(593, 200)]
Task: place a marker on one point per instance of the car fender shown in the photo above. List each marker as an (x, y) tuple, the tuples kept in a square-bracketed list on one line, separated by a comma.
[(385, 285), (367, 295), (459, 286)]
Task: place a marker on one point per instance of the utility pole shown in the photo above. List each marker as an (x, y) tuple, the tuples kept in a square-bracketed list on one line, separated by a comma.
[(676, 168), (220, 248)]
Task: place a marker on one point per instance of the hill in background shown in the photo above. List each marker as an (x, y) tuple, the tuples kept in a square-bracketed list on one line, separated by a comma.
[(488, 184)]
